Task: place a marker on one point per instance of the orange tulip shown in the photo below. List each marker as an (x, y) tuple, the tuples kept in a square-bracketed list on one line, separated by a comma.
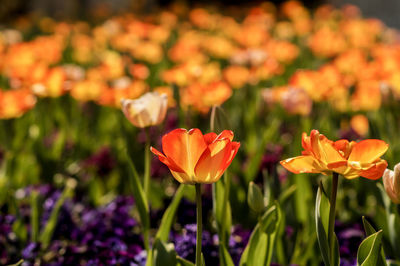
[(350, 159), (196, 158)]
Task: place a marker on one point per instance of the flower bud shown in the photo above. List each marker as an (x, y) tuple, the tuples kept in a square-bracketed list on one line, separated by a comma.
[(255, 198), (148, 110), (391, 181)]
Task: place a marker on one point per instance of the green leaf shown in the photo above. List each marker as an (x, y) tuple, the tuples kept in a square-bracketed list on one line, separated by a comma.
[(164, 254), (286, 194), (322, 223), (255, 160), (336, 254), (48, 230), (370, 230), (369, 250), (183, 262), (260, 248), (224, 221), (226, 257), (167, 219), (20, 230), (16, 264), (303, 198), (255, 198), (140, 198), (34, 216)]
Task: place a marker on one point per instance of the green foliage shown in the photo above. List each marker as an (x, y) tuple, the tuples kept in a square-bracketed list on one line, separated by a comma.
[(369, 250), (141, 200), (260, 248), (255, 198), (322, 207)]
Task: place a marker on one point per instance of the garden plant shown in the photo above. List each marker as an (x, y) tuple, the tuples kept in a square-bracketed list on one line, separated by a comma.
[(199, 135)]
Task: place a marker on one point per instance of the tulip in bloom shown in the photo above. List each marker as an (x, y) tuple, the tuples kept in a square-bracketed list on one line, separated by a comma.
[(148, 110), (196, 158), (350, 159), (391, 181)]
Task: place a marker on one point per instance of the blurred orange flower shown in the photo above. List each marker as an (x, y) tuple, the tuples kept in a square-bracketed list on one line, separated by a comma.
[(360, 124), (196, 158), (350, 159), (203, 96), (169, 92), (236, 76), (14, 103)]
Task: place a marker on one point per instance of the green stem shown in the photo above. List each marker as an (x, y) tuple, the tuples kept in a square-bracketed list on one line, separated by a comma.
[(147, 165), (224, 208), (212, 118), (34, 216), (332, 201), (199, 225)]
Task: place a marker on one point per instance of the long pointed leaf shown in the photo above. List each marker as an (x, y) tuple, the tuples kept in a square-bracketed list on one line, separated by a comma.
[(321, 221), (167, 219), (369, 250), (140, 198)]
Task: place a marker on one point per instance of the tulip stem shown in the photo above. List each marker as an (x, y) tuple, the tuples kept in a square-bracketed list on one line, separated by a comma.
[(225, 208), (199, 224), (332, 201), (147, 165)]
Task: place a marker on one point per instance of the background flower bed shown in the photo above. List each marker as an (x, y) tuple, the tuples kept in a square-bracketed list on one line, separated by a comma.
[(276, 71)]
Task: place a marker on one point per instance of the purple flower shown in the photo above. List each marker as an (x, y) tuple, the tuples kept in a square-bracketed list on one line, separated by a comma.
[(350, 237), (102, 161), (185, 244), (30, 251), (83, 234)]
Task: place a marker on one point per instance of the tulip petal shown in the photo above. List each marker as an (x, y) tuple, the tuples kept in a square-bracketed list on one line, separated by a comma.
[(388, 182), (184, 148), (324, 150), (368, 151), (344, 147), (300, 164), (171, 164), (215, 160), (210, 137), (344, 169), (161, 106), (228, 160), (375, 171), (225, 134), (182, 178)]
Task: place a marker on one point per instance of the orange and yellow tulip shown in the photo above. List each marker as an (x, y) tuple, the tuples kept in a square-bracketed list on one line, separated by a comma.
[(196, 158), (350, 159)]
